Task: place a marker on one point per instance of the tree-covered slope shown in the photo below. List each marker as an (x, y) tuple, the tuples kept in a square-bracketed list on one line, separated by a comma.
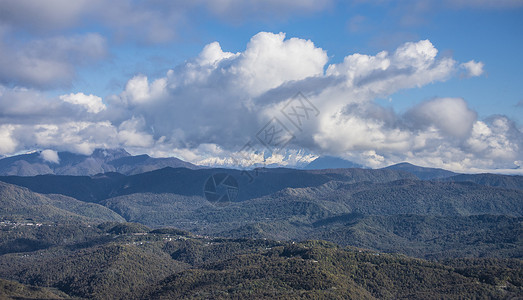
[(16, 291), (20, 203), (430, 237), (308, 205), (312, 270), (130, 263)]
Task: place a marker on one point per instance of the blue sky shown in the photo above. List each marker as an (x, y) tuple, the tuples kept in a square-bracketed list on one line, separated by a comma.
[(80, 75)]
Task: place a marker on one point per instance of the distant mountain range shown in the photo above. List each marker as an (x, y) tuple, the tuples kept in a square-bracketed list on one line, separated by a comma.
[(187, 182), (100, 161), (422, 173), (495, 180), (120, 161), (331, 162)]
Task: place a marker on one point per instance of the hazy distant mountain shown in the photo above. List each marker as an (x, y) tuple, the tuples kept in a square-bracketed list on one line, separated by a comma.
[(496, 180), (131, 165), (422, 172), (101, 161), (187, 182), (331, 162)]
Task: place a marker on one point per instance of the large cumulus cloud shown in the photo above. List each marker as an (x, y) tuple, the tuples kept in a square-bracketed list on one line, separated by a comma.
[(207, 109)]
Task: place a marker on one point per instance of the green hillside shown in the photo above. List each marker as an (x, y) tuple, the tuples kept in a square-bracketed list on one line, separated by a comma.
[(17, 291), (429, 237), (314, 203), (162, 264), (312, 270), (17, 203)]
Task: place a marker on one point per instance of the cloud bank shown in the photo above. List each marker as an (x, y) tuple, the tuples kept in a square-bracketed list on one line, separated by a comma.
[(47, 62), (209, 108), (146, 21)]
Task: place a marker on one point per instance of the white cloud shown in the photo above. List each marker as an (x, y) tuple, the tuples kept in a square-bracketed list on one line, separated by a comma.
[(130, 134), (213, 53), (411, 65), (269, 61), (138, 90), (92, 103), (473, 68), (496, 139), (76, 136), (29, 106), (211, 99), (8, 143), (223, 99), (50, 156)]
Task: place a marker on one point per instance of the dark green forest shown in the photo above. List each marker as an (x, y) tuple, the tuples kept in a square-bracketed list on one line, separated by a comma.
[(130, 261)]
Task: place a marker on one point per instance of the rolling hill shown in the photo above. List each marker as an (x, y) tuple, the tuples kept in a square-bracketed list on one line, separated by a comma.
[(502, 181), (17, 203), (422, 173), (14, 290), (163, 264)]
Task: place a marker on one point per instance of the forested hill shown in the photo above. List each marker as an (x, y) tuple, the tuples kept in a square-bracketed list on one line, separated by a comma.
[(130, 261)]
